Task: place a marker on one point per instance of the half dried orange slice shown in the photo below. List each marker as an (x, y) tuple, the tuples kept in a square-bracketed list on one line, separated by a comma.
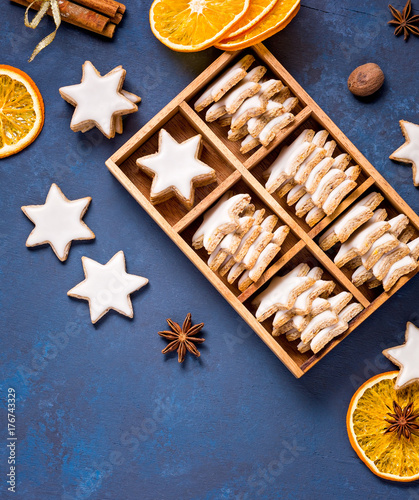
[(21, 110), (383, 427), (280, 16), (192, 25)]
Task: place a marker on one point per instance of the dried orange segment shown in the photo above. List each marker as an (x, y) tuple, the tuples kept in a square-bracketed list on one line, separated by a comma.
[(192, 25), (21, 110), (257, 10), (383, 428), (280, 16)]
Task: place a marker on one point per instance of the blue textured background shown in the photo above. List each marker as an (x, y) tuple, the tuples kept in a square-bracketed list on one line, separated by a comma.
[(105, 415)]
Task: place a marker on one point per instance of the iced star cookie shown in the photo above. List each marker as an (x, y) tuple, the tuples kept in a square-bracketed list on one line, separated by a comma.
[(107, 286), (406, 356), (58, 222), (99, 100), (176, 169), (409, 151)]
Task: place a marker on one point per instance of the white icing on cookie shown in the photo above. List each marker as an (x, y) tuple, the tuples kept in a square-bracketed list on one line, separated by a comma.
[(285, 117), (409, 152), (217, 216), (357, 240), (175, 165), (355, 211), (98, 98), (236, 71), (254, 104), (333, 175), (58, 222), (278, 292), (406, 357), (107, 286), (254, 246), (386, 238), (286, 157), (408, 261), (324, 165), (234, 97)]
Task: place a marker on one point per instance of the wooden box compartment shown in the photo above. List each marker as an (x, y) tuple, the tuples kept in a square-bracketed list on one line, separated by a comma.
[(179, 126), (221, 132), (259, 169), (243, 173), (241, 186), (371, 294), (303, 360)]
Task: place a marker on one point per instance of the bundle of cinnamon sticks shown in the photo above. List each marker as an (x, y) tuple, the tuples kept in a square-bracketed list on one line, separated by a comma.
[(99, 16)]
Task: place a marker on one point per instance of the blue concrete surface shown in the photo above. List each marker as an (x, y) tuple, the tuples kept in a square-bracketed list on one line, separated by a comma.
[(101, 413)]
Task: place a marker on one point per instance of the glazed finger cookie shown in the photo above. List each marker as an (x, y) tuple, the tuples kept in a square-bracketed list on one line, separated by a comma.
[(99, 100), (256, 105), (273, 110), (362, 240), (176, 169), (397, 270), (107, 287), (347, 224), (380, 259), (289, 159), (231, 242), (58, 222), (327, 334), (282, 292), (264, 259), (221, 219), (311, 178), (409, 151), (224, 83), (231, 101), (267, 134)]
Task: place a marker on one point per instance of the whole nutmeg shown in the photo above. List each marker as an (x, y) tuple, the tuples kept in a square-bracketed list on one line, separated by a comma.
[(365, 79)]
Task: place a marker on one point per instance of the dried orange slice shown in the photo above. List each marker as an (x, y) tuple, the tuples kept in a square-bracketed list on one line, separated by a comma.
[(192, 25), (257, 10), (375, 417), (21, 110), (280, 16)]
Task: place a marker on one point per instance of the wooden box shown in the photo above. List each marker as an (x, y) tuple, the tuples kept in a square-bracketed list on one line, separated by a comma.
[(242, 173)]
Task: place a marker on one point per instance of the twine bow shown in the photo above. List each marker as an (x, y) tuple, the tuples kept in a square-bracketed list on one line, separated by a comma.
[(46, 4)]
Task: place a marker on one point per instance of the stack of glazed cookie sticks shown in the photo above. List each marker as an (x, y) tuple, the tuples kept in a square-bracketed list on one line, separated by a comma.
[(240, 240), (301, 307), (310, 177), (378, 250), (254, 107)]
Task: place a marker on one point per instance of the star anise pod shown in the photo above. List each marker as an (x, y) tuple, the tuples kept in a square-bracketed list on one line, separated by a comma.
[(182, 339), (402, 421), (404, 22)]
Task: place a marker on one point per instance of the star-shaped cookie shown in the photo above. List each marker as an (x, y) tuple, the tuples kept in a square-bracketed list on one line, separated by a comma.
[(176, 169), (58, 222), (406, 356), (409, 151), (107, 286), (98, 99)]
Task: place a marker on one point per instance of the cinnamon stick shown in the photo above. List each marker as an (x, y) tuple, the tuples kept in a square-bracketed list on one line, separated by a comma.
[(107, 7), (116, 19), (79, 16)]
